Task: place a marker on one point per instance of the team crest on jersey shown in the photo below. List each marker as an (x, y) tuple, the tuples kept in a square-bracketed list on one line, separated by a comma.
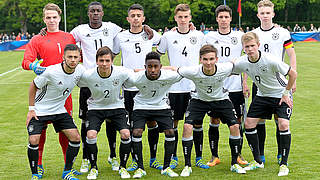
[(263, 68), (115, 82), (77, 78), (105, 32), (145, 36), (234, 40), (193, 40), (275, 36), (30, 128)]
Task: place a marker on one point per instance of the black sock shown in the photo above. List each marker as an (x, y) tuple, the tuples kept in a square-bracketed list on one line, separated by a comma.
[(234, 143), (92, 152), (253, 142), (198, 140), (285, 141), (187, 148), (278, 139), (125, 147), (85, 154), (72, 152), (112, 138), (261, 130), (176, 137), (241, 138), (213, 134), (168, 150), (33, 155), (137, 150), (153, 138)]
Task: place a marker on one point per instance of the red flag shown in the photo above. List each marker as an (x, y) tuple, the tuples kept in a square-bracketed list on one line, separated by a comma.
[(239, 8)]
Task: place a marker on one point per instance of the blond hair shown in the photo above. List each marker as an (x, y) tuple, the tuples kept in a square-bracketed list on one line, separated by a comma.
[(249, 36), (181, 7), (53, 7), (265, 3)]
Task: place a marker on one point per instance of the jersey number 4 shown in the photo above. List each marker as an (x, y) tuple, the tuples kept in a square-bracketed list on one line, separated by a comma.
[(184, 52)]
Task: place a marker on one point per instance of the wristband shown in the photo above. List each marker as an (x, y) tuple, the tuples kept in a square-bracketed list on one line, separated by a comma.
[(286, 92), (32, 108)]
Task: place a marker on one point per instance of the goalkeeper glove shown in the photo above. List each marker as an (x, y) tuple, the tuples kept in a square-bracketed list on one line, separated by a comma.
[(35, 66)]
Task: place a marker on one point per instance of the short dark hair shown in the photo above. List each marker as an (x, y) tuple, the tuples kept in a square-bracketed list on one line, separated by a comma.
[(223, 8), (95, 3), (152, 55), (105, 50), (71, 47), (135, 7), (208, 48)]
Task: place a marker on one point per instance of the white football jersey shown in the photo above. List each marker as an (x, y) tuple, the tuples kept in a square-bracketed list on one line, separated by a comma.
[(134, 48), (183, 50), (153, 93), (93, 39), (208, 88), (267, 73), (229, 47), (105, 91), (274, 40), (54, 86)]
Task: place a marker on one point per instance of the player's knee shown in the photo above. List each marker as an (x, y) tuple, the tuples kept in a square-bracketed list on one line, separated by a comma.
[(137, 132), (124, 133), (75, 136), (151, 124), (169, 132), (214, 120), (283, 124), (34, 139), (91, 134), (234, 129), (187, 130)]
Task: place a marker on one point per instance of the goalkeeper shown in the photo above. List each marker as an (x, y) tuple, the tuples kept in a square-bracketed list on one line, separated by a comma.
[(50, 49)]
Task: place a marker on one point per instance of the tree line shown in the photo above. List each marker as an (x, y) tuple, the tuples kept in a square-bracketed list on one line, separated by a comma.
[(26, 15)]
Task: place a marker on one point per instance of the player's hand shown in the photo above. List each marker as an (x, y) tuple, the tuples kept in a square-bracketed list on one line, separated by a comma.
[(192, 26), (43, 31), (35, 66), (173, 29), (286, 100), (294, 87), (246, 90), (149, 31), (31, 114)]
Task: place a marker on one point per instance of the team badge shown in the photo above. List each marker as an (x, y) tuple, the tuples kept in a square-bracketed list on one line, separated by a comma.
[(105, 32), (145, 36), (275, 36), (115, 82), (193, 40), (234, 40), (263, 68), (30, 128)]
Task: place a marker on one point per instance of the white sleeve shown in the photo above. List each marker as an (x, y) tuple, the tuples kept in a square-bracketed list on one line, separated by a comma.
[(116, 45), (281, 67), (130, 82), (42, 80), (156, 37), (83, 81), (75, 34), (186, 72), (116, 29), (237, 67), (162, 48)]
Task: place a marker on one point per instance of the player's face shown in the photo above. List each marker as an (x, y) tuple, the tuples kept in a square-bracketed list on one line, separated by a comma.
[(183, 18), (153, 67), (208, 60), (251, 48), (265, 14), (135, 18), (223, 19), (95, 13), (71, 59), (104, 62), (51, 19)]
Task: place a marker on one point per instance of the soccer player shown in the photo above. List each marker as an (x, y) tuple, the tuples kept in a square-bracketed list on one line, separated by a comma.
[(183, 47), (104, 83), (273, 97), (47, 95), (228, 44), (91, 37), (209, 96), (134, 45), (50, 49), (150, 104), (277, 41)]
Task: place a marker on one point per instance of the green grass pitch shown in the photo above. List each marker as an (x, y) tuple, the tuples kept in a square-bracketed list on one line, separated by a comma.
[(303, 159)]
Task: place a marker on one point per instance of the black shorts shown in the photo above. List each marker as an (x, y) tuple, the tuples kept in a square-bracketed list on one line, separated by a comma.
[(222, 109), (83, 105), (59, 121), (117, 117), (254, 90), (179, 103), (128, 100), (237, 100), (264, 107), (162, 117)]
